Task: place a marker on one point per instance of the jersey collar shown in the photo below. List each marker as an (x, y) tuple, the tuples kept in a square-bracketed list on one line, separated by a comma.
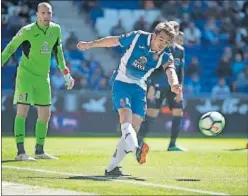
[(44, 30)]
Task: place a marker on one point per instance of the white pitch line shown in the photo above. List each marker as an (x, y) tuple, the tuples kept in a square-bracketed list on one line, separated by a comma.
[(118, 180)]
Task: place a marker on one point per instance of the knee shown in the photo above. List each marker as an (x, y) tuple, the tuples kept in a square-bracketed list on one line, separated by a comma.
[(177, 112), (44, 116), (153, 113), (22, 111), (22, 114), (136, 128), (125, 115)]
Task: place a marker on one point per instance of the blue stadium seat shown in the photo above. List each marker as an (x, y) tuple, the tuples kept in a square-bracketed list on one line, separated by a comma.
[(118, 4), (151, 15), (75, 54)]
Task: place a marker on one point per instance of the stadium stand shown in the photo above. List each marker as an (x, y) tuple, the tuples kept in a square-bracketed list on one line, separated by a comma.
[(222, 33)]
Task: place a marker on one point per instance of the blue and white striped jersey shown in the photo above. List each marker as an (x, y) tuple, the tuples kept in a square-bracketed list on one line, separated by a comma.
[(139, 61)]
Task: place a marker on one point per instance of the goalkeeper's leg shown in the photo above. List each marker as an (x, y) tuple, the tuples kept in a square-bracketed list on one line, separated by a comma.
[(42, 99), (19, 129), (41, 132), (23, 97)]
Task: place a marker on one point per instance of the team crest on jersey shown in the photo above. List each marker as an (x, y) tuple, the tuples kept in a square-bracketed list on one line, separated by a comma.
[(45, 48), (177, 61), (140, 63), (50, 34)]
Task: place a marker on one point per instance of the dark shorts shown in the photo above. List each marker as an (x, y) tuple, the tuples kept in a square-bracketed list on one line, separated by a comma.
[(162, 94)]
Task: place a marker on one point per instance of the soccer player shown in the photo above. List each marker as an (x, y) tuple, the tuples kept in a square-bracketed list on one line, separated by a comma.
[(158, 90), (144, 52), (33, 87)]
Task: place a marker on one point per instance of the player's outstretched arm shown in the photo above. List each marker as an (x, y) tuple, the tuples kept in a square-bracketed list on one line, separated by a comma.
[(169, 68), (58, 52), (106, 42), (13, 45)]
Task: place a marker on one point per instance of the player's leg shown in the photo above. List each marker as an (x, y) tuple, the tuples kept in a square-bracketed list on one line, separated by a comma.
[(23, 97), (42, 99), (154, 103), (143, 149), (139, 108), (122, 102), (151, 115), (177, 113)]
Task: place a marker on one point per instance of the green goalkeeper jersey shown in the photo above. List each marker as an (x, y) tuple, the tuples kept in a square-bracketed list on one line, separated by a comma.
[(38, 44)]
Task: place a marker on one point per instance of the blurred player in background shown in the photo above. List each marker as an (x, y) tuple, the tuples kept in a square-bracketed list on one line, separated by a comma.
[(158, 90), (33, 87), (144, 52)]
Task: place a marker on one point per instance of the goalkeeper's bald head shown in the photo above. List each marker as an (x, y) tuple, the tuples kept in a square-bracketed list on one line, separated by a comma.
[(44, 13), (43, 4)]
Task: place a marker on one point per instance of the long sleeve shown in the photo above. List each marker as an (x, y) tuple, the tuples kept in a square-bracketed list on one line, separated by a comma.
[(13, 45), (181, 69), (58, 52)]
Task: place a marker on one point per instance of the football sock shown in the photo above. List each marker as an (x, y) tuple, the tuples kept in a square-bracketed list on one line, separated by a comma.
[(40, 133), (119, 155), (144, 128), (130, 136), (175, 129), (19, 129)]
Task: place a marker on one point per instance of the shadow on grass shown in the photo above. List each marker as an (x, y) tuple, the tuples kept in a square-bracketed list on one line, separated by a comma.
[(94, 178), (9, 161), (237, 149), (189, 180)]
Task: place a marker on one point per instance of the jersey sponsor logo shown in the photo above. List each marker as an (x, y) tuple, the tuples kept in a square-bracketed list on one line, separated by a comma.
[(45, 48), (140, 63)]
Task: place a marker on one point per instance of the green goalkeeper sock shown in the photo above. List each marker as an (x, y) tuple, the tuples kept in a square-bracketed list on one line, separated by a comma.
[(40, 133), (19, 129)]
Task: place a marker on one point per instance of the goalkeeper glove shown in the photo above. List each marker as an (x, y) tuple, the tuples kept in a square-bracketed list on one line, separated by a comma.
[(69, 81)]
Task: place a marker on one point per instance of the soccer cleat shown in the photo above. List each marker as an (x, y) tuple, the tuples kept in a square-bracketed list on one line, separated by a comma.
[(142, 152), (116, 172), (44, 156), (24, 157), (176, 148)]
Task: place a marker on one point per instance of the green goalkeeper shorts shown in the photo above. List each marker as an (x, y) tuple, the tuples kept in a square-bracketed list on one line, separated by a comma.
[(32, 90)]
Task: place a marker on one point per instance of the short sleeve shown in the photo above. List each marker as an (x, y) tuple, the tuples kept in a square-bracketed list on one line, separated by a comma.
[(127, 38), (183, 58)]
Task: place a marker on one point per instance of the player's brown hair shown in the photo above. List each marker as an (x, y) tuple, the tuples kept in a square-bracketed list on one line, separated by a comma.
[(167, 28), (175, 25)]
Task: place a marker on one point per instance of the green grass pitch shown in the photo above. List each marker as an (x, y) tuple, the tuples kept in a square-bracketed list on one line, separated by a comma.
[(210, 164)]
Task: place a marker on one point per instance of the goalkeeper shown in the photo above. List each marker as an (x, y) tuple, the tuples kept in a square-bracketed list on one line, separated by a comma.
[(39, 40)]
